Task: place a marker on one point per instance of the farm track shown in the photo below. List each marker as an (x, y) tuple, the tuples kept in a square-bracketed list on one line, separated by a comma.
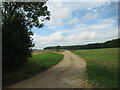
[(68, 73)]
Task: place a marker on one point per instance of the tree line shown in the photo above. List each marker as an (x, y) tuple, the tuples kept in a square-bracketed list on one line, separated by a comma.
[(108, 44)]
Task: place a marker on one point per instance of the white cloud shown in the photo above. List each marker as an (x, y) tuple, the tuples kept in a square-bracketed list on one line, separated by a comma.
[(58, 14), (85, 5), (84, 1), (91, 16), (56, 36), (75, 38), (61, 11), (52, 39), (104, 29), (73, 21), (101, 27), (95, 10)]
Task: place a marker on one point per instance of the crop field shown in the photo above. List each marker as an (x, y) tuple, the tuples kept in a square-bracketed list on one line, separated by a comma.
[(36, 64), (102, 66)]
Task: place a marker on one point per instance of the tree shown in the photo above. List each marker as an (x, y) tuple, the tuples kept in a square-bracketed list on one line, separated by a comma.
[(58, 47), (17, 20)]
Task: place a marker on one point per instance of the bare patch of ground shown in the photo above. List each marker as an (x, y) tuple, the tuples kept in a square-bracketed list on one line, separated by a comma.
[(68, 73), (39, 52), (59, 52)]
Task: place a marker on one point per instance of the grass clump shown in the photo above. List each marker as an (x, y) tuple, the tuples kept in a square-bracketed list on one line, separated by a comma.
[(36, 64), (102, 66)]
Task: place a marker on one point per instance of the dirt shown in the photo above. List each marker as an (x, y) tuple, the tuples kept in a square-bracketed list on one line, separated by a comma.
[(38, 52), (69, 73)]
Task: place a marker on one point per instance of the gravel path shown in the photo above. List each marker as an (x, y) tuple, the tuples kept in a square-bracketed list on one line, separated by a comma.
[(67, 74)]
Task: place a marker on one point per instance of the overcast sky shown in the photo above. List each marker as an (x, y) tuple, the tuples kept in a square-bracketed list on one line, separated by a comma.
[(78, 23)]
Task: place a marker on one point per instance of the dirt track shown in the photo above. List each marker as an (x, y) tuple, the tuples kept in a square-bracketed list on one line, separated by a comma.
[(67, 74)]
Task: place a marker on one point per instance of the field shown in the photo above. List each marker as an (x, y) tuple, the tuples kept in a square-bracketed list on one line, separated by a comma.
[(47, 51), (36, 64), (102, 66)]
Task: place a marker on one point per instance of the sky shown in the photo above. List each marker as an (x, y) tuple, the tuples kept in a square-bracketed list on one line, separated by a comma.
[(78, 23)]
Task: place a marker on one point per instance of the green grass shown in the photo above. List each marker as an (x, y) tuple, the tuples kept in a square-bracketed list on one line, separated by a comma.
[(36, 64), (102, 66)]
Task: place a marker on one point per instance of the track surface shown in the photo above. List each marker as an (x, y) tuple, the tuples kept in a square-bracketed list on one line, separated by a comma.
[(67, 74)]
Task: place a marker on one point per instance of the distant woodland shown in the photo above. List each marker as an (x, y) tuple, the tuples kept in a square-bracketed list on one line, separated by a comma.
[(108, 44)]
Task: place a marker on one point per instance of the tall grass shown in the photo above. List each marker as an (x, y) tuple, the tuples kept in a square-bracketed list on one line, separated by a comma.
[(36, 64), (102, 66)]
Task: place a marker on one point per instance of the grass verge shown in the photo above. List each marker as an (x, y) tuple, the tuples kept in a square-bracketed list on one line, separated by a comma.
[(102, 66), (36, 64)]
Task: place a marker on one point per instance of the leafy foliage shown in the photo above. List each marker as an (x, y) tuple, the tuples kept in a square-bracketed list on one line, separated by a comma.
[(18, 18), (31, 12)]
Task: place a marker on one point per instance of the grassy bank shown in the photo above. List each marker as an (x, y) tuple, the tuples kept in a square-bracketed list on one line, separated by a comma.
[(102, 66), (36, 64)]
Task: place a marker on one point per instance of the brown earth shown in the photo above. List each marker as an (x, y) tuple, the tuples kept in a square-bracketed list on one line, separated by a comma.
[(69, 73), (39, 52)]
